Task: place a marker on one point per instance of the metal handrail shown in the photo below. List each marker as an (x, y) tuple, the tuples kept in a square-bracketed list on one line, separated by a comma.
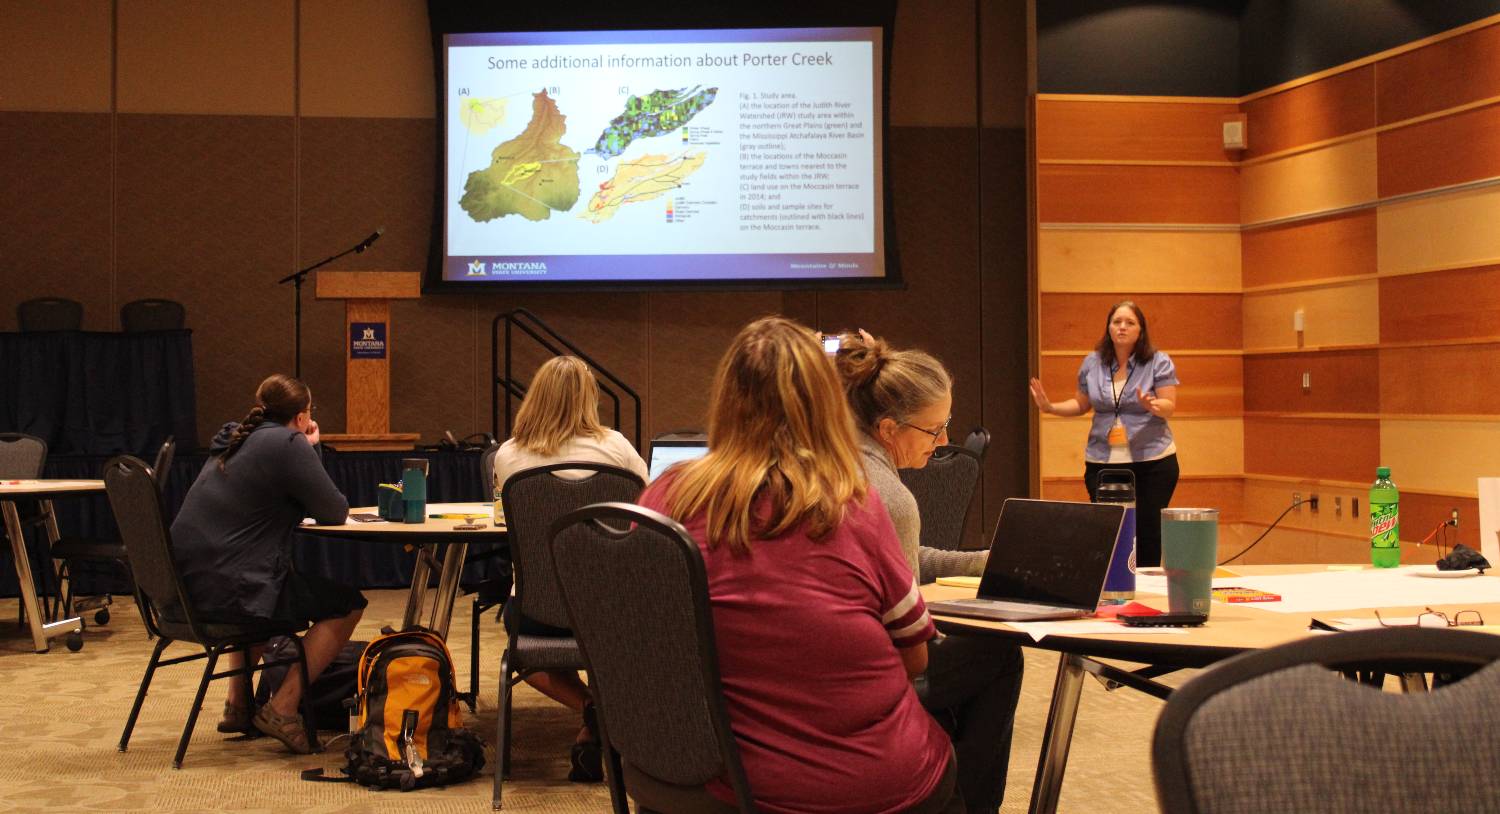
[(534, 327)]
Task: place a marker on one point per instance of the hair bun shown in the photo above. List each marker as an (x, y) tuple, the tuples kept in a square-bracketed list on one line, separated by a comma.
[(861, 357)]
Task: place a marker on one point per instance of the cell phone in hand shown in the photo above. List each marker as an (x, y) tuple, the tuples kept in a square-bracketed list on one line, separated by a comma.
[(1164, 619)]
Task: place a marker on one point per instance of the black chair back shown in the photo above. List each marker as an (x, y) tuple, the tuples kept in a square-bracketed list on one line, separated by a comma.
[(22, 456), (163, 466), (136, 503), (1278, 730), (152, 315), (50, 314), (978, 441), (533, 499), (944, 488), (633, 582)]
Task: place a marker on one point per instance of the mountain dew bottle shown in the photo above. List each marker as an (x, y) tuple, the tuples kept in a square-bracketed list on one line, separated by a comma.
[(1385, 521)]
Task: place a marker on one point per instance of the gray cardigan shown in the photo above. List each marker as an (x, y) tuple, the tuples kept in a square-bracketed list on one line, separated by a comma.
[(926, 563)]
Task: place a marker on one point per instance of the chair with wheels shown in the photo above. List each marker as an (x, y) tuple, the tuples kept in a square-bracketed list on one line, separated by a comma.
[(633, 583), (978, 441), (137, 505), (1281, 730), (22, 457), (533, 499), (944, 488)]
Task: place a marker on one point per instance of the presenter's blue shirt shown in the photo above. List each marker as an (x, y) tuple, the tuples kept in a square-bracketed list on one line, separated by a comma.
[(1148, 435)]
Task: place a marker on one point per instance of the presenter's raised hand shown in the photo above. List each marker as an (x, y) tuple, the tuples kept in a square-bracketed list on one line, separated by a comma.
[(1039, 395), (1150, 401)]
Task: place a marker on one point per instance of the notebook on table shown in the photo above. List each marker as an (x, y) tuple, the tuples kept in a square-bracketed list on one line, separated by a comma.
[(1048, 560)]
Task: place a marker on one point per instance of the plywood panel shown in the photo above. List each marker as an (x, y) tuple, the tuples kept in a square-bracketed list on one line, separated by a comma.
[(1441, 75), (1337, 246), (1127, 261), (1316, 448), (1342, 382), (1446, 230), (1205, 446), (1456, 304), (1224, 494), (366, 58), (1341, 314), (1136, 131), (1210, 384), (206, 56), (1135, 194), (1450, 150), (1318, 180), (1448, 380), (1176, 321), (55, 56), (1421, 513), (1444, 456), (1334, 106), (1336, 513)]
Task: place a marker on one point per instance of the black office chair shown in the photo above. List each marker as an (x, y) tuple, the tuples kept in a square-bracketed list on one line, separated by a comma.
[(944, 489), (533, 500), (1278, 730), (978, 441), (492, 591), (152, 315), (22, 457), (137, 505), (633, 582), (49, 314)]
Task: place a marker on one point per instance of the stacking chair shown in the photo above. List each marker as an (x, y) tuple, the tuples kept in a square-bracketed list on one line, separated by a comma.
[(137, 506), (22, 457), (1278, 730), (493, 591), (152, 315), (944, 488), (533, 500), (74, 551), (49, 314), (633, 583), (978, 441)]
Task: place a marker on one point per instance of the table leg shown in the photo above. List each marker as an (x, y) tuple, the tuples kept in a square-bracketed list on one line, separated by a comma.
[(41, 630), (1058, 735), (447, 591), (1414, 682), (418, 594)]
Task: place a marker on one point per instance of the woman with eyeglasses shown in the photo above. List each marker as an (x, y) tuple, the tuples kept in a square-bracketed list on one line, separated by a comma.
[(232, 544), (902, 401), (1132, 389)]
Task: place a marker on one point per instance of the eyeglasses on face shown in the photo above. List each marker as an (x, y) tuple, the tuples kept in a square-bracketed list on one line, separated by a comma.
[(937, 434), (1432, 618)]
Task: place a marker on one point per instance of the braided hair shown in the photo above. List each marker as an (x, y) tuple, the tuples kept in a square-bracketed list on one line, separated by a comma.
[(278, 400), (882, 382)]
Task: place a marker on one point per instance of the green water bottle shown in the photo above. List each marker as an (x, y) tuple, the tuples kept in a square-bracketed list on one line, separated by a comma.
[(1385, 521)]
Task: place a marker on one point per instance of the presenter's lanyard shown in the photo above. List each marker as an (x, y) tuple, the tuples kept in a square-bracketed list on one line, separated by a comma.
[(1109, 381)]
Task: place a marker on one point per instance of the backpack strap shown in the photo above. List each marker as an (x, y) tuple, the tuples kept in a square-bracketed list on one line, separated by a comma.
[(316, 775)]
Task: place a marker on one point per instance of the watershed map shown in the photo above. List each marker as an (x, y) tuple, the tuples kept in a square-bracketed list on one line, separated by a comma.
[(535, 174)]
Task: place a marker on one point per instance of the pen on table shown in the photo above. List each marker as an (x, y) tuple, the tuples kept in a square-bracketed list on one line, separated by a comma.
[(456, 516)]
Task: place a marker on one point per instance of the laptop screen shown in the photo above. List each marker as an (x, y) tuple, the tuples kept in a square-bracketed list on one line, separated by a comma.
[(1051, 551), (666, 453)]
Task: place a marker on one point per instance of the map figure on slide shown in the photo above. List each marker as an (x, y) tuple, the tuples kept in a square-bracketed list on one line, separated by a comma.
[(655, 114), (641, 180), (480, 116), (531, 175)]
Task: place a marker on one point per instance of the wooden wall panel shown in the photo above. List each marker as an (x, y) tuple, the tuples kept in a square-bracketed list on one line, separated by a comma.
[(1422, 512), (1453, 380), (1439, 76), (1137, 194), (55, 56), (1440, 456), (206, 56), (1266, 499), (1224, 494), (1176, 321), (1210, 384), (1314, 448), (365, 58), (1336, 246), (1450, 150), (1131, 131), (1206, 446), (1439, 232), (1339, 314), (1342, 382), (1061, 445), (1315, 181), (1334, 106), (1456, 304), (1132, 261)]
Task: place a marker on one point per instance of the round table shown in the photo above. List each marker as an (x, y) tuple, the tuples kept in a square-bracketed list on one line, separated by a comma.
[(42, 490)]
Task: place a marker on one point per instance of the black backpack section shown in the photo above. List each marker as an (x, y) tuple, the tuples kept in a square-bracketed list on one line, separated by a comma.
[(332, 691)]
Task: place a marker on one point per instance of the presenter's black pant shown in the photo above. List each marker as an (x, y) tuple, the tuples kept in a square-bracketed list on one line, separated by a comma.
[(971, 687), (1155, 481)]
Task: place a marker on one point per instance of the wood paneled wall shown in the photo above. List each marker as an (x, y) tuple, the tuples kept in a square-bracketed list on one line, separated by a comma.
[(1366, 201)]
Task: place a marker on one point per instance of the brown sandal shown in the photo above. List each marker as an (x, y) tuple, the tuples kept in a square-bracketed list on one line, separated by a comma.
[(236, 720), (287, 729)]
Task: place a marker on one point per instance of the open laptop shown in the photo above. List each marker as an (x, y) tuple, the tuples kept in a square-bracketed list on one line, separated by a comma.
[(1048, 560), (670, 449)]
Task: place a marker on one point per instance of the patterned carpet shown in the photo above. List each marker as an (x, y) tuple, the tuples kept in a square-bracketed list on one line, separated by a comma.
[(61, 715)]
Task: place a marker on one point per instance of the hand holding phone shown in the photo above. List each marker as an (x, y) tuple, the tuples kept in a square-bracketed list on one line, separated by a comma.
[(1164, 620)]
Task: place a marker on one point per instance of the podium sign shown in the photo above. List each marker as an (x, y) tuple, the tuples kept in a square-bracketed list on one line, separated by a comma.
[(367, 364)]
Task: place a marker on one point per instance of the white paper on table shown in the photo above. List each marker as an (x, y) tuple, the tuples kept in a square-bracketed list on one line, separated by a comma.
[(1082, 627), (1369, 588)]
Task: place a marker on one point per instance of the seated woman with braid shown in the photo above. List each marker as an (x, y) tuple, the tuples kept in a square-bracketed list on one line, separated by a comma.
[(233, 542)]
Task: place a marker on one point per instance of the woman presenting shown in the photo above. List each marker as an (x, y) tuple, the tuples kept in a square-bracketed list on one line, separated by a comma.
[(1132, 389)]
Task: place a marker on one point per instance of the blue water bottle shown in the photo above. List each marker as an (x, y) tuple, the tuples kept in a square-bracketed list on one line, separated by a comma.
[(414, 489), (1118, 486)]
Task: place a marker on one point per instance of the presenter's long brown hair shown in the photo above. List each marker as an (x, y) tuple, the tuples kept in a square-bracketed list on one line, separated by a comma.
[(778, 427), (561, 404)]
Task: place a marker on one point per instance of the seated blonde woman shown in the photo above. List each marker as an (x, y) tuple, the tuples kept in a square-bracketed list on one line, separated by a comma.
[(559, 423)]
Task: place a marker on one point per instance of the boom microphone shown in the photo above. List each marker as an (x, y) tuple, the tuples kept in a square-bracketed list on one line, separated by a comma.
[(365, 244)]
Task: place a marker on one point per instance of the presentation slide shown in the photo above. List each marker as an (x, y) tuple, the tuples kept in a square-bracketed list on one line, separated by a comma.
[(687, 155)]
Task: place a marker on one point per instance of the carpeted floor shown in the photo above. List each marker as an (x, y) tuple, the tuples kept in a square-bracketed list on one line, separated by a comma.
[(61, 715)]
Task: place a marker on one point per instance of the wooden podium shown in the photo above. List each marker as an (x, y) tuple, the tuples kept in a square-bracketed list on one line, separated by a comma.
[(368, 341)]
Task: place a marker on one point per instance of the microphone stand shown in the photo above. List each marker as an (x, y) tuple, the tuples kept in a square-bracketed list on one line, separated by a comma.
[(297, 278)]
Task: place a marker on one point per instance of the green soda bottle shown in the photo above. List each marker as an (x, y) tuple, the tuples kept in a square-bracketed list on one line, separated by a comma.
[(1385, 521)]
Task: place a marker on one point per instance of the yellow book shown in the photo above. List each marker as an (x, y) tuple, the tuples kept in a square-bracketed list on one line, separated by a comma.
[(959, 582)]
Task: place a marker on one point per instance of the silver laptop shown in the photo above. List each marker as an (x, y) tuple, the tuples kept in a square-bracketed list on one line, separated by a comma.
[(1048, 560), (675, 448)]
